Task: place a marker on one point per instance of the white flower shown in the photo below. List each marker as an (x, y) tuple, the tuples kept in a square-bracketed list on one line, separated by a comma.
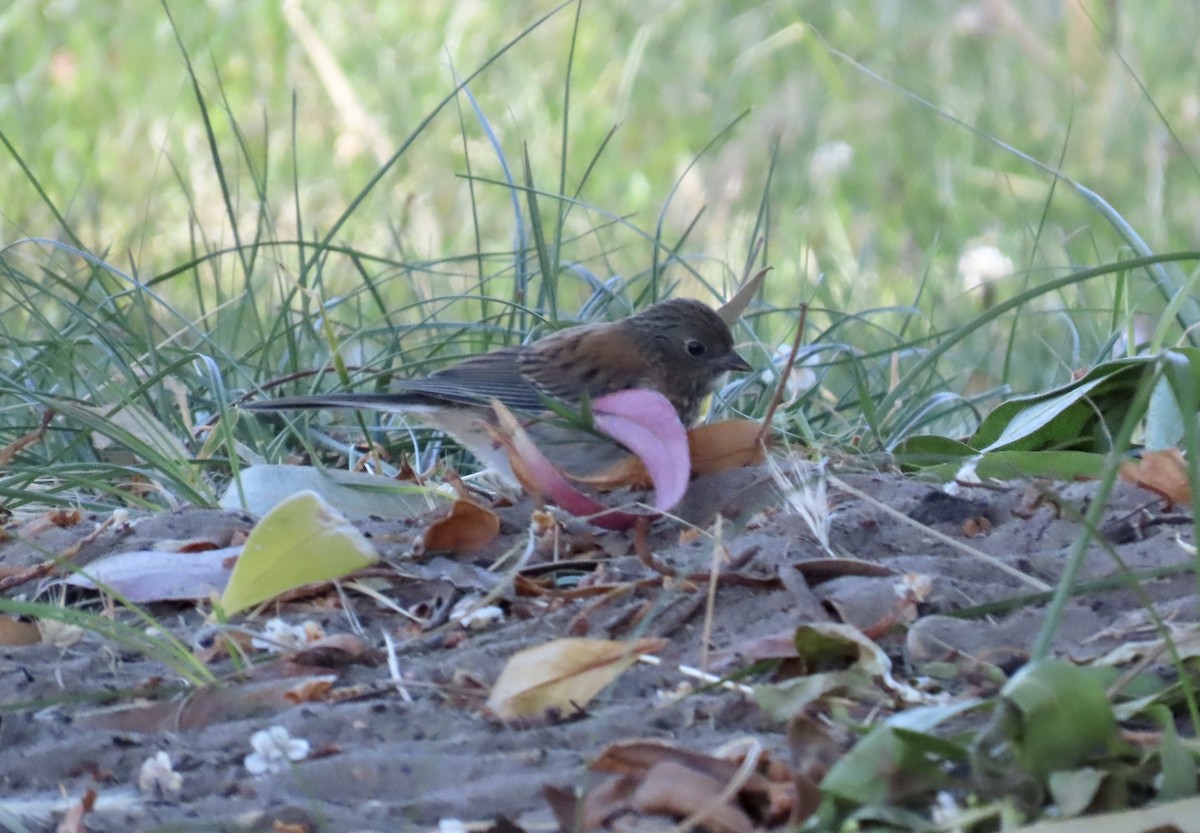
[(158, 777), (946, 811), (916, 586), (278, 635), (800, 379), (982, 265), (274, 751), (475, 618), (59, 634)]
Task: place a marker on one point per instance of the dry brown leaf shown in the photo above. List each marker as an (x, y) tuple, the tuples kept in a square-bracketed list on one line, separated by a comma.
[(60, 518), (819, 570), (774, 646), (602, 802), (656, 776), (206, 706), (15, 632), (635, 757), (976, 527), (468, 527), (312, 690), (626, 473), (335, 651), (675, 790), (562, 676), (729, 444), (1163, 472)]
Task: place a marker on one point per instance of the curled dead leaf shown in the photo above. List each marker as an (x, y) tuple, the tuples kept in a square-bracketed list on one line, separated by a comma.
[(207, 706), (312, 690), (729, 444), (335, 651), (467, 528), (713, 792), (16, 632), (1163, 472), (672, 789)]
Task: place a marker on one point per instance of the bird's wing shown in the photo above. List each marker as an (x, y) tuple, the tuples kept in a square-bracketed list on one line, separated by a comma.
[(478, 380), (474, 381)]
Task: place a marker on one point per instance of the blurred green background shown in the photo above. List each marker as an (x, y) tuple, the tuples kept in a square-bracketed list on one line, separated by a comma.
[(874, 200)]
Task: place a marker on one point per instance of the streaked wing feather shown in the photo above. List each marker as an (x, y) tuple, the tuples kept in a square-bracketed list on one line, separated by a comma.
[(475, 381), (480, 379)]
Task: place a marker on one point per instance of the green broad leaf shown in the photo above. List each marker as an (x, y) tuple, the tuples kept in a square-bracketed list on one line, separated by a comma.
[(1083, 414), (1058, 418), (301, 541), (883, 768), (1064, 717), (1177, 774), (1066, 465), (928, 451), (898, 758), (1164, 420), (1006, 465), (1074, 791), (357, 495), (835, 658), (826, 647), (1066, 432), (785, 700)]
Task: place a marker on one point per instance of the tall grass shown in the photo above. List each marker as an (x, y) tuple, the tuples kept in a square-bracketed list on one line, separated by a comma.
[(251, 194)]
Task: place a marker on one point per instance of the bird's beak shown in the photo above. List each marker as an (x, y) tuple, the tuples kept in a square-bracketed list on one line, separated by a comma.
[(732, 362)]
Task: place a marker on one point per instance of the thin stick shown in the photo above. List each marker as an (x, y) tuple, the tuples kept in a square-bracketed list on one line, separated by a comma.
[(777, 399), (710, 601), (933, 533)]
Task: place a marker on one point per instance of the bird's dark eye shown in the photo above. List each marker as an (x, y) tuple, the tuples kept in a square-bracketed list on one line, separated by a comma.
[(695, 348)]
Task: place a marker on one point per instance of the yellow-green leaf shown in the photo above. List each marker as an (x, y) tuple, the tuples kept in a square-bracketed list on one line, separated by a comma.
[(301, 541)]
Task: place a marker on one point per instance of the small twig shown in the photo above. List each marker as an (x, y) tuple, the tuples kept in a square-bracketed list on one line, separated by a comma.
[(645, 553), (837, 482), (38, 571), (710, 601), (709, 680), (21, 443), (777, 399), (983, 484)]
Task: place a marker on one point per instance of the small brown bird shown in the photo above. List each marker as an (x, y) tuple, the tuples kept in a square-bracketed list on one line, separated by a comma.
[(680, 348)]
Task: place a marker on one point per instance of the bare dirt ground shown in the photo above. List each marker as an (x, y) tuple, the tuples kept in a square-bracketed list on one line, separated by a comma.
[(382, 761)]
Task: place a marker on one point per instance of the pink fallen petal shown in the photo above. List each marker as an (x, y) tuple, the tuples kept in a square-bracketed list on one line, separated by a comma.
[(541, 479), (646, 423)]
